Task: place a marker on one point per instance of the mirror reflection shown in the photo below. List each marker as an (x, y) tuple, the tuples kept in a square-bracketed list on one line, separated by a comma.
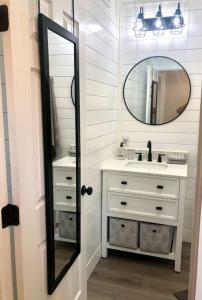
[(61, 74), (157, 90)]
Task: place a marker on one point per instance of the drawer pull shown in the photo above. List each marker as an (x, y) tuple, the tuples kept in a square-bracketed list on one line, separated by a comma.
[(154, 231), (68, 197), (124, 182), (159, 208), (70, 219), (123, 203), (69, 178), (122, 225), (160, 187)]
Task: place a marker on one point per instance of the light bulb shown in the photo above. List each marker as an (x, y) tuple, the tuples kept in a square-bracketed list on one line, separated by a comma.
[(177, 21), (158, 23)]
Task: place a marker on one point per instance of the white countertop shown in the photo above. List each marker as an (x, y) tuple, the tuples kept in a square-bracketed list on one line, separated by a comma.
[(173, 170), (65, 162)]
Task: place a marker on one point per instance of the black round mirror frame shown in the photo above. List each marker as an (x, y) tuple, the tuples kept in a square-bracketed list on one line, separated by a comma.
[(125, 81)]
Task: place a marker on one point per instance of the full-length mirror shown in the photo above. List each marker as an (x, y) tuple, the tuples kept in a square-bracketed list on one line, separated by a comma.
[(59, 66), (157, 90)]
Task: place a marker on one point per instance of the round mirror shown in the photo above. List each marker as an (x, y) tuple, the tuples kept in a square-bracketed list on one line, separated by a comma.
[(73, 90), (157, 90)]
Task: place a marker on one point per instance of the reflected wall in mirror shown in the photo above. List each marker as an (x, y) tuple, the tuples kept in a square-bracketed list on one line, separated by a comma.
[(157, 90), (59, 66)]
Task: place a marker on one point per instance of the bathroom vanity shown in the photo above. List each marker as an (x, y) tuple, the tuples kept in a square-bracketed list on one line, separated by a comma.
[(143, 208), (64, 189)]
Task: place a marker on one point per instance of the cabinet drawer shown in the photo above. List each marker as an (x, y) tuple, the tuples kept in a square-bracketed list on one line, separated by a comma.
[(150, 186), (64, 199), (142, 206), (64, 177)]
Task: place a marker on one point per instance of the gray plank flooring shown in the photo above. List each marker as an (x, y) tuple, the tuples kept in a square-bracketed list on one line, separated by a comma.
[(124, 276)]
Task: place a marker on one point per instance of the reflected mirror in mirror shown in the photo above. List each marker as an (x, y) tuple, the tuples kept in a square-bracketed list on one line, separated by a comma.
[(73, 90), (59, 66), (157, 90)]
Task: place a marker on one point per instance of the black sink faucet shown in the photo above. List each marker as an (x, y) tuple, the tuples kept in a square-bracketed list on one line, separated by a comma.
[(149, 145)]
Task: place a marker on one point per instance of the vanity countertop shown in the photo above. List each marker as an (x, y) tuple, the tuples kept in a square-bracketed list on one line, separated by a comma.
[(173, 170), (65, 162)]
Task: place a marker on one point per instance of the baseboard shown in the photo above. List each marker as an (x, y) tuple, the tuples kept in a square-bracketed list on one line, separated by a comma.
[(93, 261), (187, 236)]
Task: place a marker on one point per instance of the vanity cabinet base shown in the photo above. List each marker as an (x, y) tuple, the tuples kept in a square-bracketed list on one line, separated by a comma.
[(173, 226)]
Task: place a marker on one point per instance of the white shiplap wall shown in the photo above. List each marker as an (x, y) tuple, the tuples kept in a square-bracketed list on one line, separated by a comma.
[(181, 134), (100, 68), (61, 60)]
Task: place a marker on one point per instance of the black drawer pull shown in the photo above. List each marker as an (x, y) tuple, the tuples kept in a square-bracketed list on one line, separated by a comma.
[(69, 178), (122, 225), (123, 203), (70, 219), (160, 187), (68, 197), (154, 231), (124, 182), (159, 208)]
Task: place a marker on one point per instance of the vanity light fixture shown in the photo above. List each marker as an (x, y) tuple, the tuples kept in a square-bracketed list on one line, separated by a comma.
[(159, 23)]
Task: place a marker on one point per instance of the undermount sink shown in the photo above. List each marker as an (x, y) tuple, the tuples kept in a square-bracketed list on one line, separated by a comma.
[(146, 165)]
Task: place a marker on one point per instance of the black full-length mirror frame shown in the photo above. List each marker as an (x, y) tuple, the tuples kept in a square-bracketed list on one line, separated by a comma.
[(45, 25)]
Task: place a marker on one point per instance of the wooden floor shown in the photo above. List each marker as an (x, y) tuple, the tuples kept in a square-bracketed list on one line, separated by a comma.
[(124, 276)]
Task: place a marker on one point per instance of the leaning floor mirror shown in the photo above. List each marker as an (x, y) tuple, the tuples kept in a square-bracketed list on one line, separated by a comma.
[(59, 57)]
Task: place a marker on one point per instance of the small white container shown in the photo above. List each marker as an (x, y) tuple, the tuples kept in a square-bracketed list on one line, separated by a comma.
[(130, 154)]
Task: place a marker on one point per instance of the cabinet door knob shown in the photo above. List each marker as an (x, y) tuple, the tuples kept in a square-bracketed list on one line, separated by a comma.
[(85, 190), (68, 197), (124, 182), (69, 178), (123, 203), (122, 225), (160, 187), (159, 208), (154, 231)]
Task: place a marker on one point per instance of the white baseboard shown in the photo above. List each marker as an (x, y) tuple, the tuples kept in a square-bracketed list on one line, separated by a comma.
[(93, 261), (187, 236)]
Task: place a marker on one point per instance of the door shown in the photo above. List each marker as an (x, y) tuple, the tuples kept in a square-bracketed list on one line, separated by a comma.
[(26, 144), (6, 290)]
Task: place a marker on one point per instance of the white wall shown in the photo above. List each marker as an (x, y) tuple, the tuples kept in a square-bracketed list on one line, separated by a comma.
[(100, 65), (181, 134)]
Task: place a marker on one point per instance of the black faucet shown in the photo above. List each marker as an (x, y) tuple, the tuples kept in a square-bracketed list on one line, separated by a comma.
[(149, 145)]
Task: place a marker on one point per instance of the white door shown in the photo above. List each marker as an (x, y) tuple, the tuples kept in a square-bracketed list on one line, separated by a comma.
[(6, 289), (25, 129)]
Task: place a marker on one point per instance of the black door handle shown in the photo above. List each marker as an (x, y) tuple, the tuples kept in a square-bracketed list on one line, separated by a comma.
[(85, 190)]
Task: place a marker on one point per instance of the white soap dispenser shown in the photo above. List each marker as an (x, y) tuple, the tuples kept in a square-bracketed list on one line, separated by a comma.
[(121, 154)]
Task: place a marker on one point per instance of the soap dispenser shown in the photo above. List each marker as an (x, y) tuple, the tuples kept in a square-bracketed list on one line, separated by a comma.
[(121, 155)]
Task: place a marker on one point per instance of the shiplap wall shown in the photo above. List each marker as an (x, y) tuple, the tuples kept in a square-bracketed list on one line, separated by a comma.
[(61, 60), (100, 88), (181, 134)]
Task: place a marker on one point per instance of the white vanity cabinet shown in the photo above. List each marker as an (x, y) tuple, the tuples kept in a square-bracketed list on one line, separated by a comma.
[(64, 191), (153, 199)]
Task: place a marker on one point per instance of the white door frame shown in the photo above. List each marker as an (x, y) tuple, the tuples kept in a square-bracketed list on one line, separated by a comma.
[(6, 285)]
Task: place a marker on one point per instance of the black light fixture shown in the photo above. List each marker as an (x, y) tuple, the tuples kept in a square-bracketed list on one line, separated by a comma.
[(139, 24), (159, 23)]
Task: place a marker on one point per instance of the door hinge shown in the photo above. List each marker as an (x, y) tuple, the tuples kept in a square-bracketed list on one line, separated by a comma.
[(4, 20), (10, 216)]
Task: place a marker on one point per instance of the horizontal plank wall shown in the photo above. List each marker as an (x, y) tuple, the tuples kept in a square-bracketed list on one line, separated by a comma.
[(100, 80), (181, 134)]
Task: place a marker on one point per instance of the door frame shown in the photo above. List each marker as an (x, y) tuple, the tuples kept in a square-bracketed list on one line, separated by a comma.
[(6, 284)]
